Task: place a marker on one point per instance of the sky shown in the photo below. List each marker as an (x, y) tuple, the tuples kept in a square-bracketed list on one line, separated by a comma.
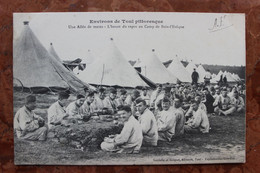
[(206, 38)]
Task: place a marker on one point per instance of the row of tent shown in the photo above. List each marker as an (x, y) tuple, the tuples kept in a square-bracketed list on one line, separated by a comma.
[(231, 77), (35, 67)]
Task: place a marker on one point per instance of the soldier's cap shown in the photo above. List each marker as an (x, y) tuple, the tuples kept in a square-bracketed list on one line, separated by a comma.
[(165, 99), (167, 88), (90, 94), (144, 88), (63, 95), (30, 99), (136, 93), (80, 96), (112, 90), (101, 90), (205, 89), (123, 91)]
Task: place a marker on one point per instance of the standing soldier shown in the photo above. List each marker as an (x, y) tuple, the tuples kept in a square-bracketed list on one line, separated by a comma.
[(207, 77), (195, 77)]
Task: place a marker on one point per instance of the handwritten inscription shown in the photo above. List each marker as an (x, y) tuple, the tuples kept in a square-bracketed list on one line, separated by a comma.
[(219, 24)]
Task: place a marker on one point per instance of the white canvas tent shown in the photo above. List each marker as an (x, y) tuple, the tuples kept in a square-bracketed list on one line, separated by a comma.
[(54, 53), (34, 67), (202, 73), (89, 59), (190, 67), (236, 77), (177, 69), (68, 75), (112, 70), (229, 77), (152, 68), (217, 77)]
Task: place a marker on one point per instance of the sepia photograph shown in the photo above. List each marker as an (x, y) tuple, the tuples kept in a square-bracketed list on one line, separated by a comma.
[(129, 88)]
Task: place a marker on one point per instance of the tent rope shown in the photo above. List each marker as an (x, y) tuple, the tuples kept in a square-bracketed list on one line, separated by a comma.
[(20, 83), (59, 73)]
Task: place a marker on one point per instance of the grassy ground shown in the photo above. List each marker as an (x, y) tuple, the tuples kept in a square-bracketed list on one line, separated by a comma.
[(225, 143)]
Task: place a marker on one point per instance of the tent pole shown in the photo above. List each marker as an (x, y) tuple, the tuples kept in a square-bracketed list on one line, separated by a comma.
[(103, 70)]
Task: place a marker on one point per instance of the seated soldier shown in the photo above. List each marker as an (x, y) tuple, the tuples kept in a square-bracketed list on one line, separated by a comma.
[(131, 137), (73, 109), (145, 96), (202, 106), (86, 109), (238, 102), (186, 101), (217, 93), (179, 117), (109, 101), (148, 123), (154, 95), (98, 103), (199, 122), (209, 100), (27, 124), (166, 92), (229, 91), (130, 101), (225, 106), (165, 121), (241, 91), (121, 100), (57, 112)]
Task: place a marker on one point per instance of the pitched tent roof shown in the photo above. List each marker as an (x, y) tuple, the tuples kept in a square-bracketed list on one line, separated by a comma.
[(33, 66), (32, 63), (74, 82), (112, 70), (217, 77), (53, 53), (237, 77), (148, 81), (152, 68), (190, 67), (89, 58), (229, 77), (179, 70), (202, 73), (220, 73)]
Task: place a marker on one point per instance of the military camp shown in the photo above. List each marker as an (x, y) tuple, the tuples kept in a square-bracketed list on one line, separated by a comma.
[(108, 106)]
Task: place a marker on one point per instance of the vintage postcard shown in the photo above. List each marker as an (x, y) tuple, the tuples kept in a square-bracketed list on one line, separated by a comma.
[(128, 88)]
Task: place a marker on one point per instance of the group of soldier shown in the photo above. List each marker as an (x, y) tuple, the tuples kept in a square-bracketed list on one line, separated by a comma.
[(147, 116)]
